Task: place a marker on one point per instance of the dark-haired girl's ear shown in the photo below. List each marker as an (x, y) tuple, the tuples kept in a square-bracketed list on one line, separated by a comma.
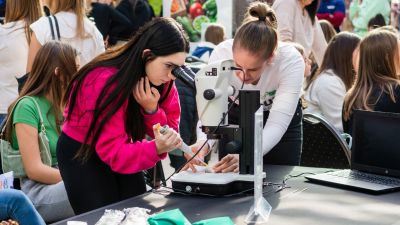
[(147, 55)]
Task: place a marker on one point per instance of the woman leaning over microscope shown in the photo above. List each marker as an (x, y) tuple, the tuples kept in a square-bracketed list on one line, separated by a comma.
[(111, 104), (275, 69)]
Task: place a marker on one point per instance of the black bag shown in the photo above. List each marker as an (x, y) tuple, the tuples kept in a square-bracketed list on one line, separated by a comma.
[(21, 81)]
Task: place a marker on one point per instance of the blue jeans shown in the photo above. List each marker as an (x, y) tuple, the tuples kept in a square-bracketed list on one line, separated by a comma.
[(16, 206)]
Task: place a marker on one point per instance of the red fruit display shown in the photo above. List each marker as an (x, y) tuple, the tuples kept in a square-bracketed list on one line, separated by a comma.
[(196, 9)]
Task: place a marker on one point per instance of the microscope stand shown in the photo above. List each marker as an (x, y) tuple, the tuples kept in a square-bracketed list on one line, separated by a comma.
[(213, 183)]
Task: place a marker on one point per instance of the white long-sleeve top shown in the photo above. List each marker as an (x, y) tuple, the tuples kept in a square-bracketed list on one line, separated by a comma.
[(295, 25), (280, 87), (13, 57), (325, 97), (87, 48)]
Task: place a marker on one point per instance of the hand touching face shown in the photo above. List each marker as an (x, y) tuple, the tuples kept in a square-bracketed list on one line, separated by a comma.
[(146, 96), (158, 71)]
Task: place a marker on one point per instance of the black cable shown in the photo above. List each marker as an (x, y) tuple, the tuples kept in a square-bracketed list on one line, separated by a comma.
[(297, 175), (216, 129), (288, 177)]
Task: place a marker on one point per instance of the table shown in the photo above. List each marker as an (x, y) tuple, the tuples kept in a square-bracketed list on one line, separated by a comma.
[(303, 203)]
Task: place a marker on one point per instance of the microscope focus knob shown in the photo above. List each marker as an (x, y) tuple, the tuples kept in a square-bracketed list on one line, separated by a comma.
[(209, 94)]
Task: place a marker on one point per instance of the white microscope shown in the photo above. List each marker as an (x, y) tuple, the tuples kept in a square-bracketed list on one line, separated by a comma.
[(212, 85)]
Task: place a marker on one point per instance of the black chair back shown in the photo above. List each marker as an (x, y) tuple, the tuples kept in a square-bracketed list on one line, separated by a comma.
[(323, 146)]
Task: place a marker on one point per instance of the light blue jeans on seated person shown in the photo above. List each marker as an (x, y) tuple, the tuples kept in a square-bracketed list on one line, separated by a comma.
[(15, 205)]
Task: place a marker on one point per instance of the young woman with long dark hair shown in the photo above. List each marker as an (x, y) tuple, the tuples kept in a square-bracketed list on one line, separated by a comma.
[(112, 103), (325, 92)]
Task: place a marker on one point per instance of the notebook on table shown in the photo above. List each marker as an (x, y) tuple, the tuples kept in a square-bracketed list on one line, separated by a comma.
[(375, 155)]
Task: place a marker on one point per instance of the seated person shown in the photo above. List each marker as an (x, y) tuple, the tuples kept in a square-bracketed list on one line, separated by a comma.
[(214, 35), (361, 11), (377, 85), (52, 70), (15, 205), (307, 60), (325, 93), (328, 30), (376, 21)]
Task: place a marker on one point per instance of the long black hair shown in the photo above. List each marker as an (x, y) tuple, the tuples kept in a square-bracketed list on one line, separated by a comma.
[(163, 36), (312, 10)]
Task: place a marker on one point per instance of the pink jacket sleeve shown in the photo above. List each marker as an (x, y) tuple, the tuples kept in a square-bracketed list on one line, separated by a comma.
[(115, 149), (168, 113), (114, 146)]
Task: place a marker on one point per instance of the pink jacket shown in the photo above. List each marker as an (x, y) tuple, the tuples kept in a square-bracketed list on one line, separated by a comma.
[(113, 145)]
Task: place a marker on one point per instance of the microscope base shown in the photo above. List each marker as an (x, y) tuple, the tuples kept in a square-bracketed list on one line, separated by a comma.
[(213, 183)]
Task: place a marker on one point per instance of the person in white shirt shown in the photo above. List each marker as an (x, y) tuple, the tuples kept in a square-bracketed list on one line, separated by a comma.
[(325, 93), (14, 45), (297, 22), (274, 68), (214, 34), (74, 27), (307, 60)]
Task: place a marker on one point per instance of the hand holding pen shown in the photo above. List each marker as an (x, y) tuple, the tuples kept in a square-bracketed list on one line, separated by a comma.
[(185, 148), (166, 142)]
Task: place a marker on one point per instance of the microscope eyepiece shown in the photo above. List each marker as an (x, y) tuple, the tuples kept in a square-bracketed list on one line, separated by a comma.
[(185, 74), (178, 72)]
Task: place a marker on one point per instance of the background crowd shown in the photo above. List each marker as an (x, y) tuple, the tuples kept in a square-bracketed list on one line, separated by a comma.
[(67, 65)]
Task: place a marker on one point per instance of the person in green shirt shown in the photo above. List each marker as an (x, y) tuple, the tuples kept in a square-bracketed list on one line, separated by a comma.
[(361, 11), (52, 70)]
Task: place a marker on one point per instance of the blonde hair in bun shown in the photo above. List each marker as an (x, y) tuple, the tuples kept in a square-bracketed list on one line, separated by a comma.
[(259, 30)]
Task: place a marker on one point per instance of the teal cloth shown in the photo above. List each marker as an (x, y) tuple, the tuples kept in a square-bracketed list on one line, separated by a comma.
[(215, 221), (175, 217), (171, 217)]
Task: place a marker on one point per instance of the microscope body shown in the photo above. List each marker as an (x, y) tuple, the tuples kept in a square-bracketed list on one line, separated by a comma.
[(213, 90)]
